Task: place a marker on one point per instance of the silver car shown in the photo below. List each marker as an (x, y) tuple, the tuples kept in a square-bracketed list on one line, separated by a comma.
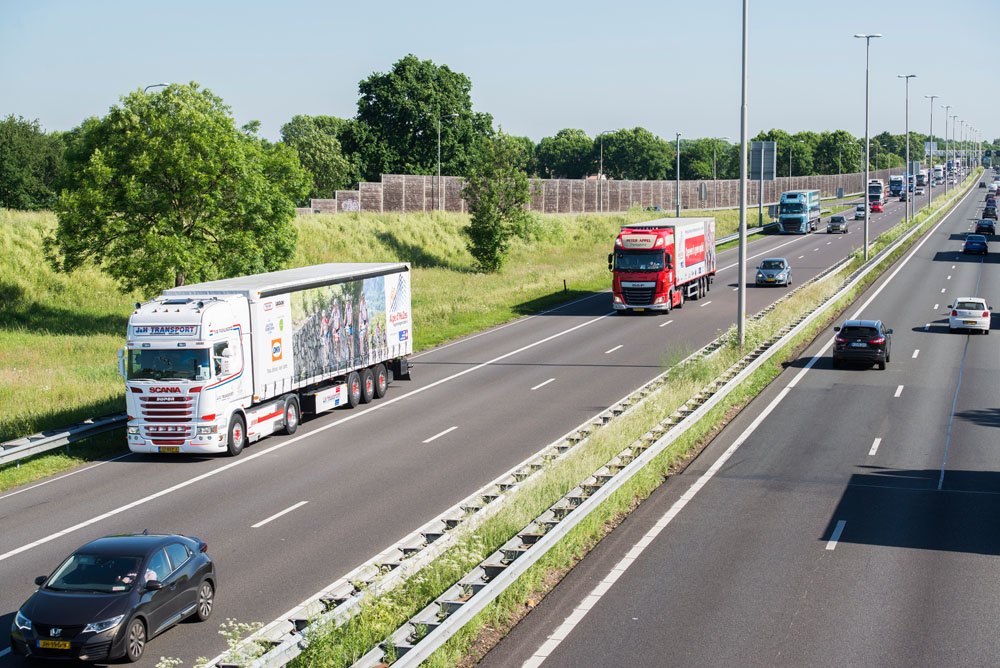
[(774, 271), (837, 224)]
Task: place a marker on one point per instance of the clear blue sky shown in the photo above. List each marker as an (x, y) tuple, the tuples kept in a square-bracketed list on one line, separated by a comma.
[(667, 65)]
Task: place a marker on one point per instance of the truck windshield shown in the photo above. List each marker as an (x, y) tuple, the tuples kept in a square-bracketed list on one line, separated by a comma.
[(168, 364), (793, 208), (639, 260)]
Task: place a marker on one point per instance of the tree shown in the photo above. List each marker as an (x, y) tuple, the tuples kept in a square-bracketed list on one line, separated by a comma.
[(400, 111), (497, 191), (314, 139), (30, 161), (571, 154), (166, 189), (638, 154)]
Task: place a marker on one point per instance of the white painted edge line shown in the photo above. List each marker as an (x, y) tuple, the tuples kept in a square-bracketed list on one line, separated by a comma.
[(705, 304), (278, 514), (63, 477), (917, 351), (766, 252), (542, 384), (835, 538), (874, 449), (439, 435), (608, 352), (670, 321), (899, 391)]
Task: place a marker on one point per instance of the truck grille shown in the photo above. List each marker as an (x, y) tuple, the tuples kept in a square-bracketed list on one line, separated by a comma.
[(791, 225), (167, 409), (638, 296)]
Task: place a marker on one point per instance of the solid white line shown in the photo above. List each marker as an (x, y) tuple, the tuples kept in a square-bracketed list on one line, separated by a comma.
[(899, 391), (750, 257), (871, 453), (63, 477), (543, 384), (277, 515), (437, 436), (706, 303), (614, 349), (669, 321), (832, 544), (917, 351)]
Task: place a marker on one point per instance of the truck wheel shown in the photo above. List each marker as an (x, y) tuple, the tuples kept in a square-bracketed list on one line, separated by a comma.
[(680, 298), (292, 415), (353, 389), (367, 385), (381, 380), (237, 435)]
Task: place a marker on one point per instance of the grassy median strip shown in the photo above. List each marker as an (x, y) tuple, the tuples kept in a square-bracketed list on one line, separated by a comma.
[(382, 615)]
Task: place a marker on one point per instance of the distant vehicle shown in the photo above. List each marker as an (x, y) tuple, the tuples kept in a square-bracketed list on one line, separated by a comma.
[(922, 177), (982, 184), (951, 180), (975, 244), (919, 190), (895, 185), (838, 224), (938, 172), (799, 211), (774, 271), (876, 191), (859, 212), (877, 207), (902, 196), (986, 227), (970, 313), (114, 594), (990, 212), (862, 341)]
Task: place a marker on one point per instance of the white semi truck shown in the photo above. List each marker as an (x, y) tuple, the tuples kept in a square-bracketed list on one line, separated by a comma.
[(214, 366)]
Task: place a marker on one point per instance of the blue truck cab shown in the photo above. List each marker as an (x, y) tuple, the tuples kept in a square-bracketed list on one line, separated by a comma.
[(896, 185), (799, 212)]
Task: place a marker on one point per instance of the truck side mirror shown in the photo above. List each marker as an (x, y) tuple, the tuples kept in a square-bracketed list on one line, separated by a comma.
[(121, 363)]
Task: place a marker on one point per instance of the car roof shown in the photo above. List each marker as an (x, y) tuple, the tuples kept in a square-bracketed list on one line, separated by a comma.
[(131, 543), (862, 323), (975, 237), (969, 299), (774, 259)]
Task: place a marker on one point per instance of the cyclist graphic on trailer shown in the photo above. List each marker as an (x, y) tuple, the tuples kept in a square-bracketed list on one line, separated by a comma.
[(363, 323), (335, 331), (324, 333), (349, 327)]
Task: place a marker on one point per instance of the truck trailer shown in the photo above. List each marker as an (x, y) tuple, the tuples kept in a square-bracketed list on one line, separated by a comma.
[(214, 366), (799, 211), (660, 264)]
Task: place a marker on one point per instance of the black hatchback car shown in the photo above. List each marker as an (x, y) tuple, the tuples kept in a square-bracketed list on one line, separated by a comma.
[(107, 599), (986, 227), (868, 341)]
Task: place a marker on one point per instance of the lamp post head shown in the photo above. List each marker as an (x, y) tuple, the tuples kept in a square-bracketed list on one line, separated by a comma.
[(868, 37)]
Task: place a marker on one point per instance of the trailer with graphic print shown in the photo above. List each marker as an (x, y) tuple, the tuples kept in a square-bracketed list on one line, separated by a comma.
[(660, 264), (214, 366)]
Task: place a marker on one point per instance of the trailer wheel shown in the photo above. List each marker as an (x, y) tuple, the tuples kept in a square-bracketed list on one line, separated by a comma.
[(367, 385), (353, 389), (237, 435), (292, 415), (381, 380)]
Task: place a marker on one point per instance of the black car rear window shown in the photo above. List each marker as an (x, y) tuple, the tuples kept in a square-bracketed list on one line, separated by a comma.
[(859, 332)]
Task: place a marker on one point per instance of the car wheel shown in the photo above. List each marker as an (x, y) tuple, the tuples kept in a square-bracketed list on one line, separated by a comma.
[(881, 366), (237, 436), (206, 601), (836, 363), (135, 640)]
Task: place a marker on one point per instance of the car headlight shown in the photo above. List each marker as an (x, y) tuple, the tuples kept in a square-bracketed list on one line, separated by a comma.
[(22, 622), (100, 627)]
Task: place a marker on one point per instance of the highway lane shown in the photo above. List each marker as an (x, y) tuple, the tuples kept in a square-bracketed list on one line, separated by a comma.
[(855, 525), (366, 477)]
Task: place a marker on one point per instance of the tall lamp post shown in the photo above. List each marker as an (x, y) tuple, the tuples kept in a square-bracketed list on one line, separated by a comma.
[(930, 146), (677, 194), (439, 155), (947, 109), (906, 184), (868, 41), (954, 148), (161, 85), (741, 301)]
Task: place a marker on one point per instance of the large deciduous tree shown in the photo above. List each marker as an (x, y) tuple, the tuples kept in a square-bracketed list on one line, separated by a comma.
[(166, 190), (570, 154), (497, 191), (316, 141), (638, 154), (29, 164), (399, 112)]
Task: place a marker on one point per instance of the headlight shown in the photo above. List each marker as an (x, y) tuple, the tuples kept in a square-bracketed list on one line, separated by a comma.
[(760, 275), (22, 622), (99, 627), (213, 429), (133, 430)]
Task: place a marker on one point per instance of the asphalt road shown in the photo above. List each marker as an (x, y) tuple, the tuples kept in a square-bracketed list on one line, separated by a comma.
[(360, 480), (847, 517)]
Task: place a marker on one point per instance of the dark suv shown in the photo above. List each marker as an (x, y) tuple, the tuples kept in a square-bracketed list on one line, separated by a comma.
[(862, 341)]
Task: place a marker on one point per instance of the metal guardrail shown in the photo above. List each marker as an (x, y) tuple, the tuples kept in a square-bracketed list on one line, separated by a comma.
[(20, 448)]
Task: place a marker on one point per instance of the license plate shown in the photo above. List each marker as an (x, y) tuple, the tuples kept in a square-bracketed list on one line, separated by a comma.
[(169, 448), (770, 280), (968, 322), (53, 644), (859, 344), (637, 310)]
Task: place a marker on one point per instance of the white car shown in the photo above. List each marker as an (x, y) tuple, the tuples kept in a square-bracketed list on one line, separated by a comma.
[(970, 313), (919, 190), (859, 212)]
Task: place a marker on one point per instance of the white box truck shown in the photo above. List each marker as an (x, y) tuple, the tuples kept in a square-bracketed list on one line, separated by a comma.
[(214, 366)]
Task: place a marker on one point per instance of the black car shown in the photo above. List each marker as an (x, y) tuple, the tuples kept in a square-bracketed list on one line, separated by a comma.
[(107, 599), (986, 227), (982, 184), (990, 212), (866, 341)]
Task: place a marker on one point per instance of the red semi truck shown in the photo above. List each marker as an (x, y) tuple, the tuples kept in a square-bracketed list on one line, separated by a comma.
[(660, 264)]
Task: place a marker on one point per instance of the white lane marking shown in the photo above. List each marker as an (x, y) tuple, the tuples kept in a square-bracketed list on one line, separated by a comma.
[(63, 477), (815, 250), (948, 279), (800, 257), (439, 435), (936, 307), (633, 554), (279, 514), (917, 351), (614, 349), (766, 252), (705, 304), (838, 530), (899, 391), (670, 321), (736, 288), (927, 326), (942, 290), (952, 266), (878, 441), (828, 243), (543, 384)]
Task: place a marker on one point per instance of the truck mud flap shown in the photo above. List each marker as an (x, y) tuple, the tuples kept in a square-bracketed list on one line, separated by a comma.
[(400, 369)]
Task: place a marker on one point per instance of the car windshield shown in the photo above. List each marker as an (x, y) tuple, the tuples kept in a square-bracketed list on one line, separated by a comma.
[(772, 264), (635, 260), (168, 364), (970, 306), (96, 573), (837, 219), (855, 332)]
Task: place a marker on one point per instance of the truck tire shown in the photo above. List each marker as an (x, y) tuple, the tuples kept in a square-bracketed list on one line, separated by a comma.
[(680, 298), (353, 389), (292, 415), (237, 435), (381, 380), (367, 385)]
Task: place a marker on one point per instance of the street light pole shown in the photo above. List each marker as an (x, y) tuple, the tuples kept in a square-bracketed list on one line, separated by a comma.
[(954, 122), (677, 195), (741, 308), (868, 42), (154, 86), (930, 147), (906, 184), (947, 109)]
